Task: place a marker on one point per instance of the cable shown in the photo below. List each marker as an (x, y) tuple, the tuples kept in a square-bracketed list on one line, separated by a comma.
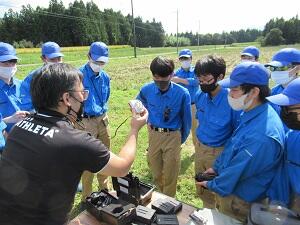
[(119, 127)]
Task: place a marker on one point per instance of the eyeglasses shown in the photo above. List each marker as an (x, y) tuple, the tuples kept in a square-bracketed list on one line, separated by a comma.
[(10, 62), (282, 68), (85, 93)]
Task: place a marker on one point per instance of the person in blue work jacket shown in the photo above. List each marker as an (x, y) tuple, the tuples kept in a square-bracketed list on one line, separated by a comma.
[(95, 118), (10, 101), (247, 166), (250, 53), (169, 123), (289, 100), (19, 115), (216, 119), (284, 67), (51, 53), (185, 77), (2, 134)]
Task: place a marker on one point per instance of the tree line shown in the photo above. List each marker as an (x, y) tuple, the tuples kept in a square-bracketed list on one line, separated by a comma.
[(77, 25), (80, 24)]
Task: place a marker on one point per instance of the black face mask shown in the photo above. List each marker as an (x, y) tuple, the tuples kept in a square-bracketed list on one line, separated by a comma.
[(162, 85), (290, 118), (207, 88), (79, 113)]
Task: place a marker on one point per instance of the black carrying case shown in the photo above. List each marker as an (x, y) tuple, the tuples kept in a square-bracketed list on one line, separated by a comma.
[(107, 208), (131, 189)]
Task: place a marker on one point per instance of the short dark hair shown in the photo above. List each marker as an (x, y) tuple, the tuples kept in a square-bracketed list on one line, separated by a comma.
[(264, 90), (211, 64), (49, 84), (161, 66)]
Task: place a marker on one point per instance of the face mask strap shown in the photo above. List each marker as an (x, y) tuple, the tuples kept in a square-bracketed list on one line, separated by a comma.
[(74, 119)]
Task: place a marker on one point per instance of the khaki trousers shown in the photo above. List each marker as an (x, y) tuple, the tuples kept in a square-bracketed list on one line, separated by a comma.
[(194, 125), (295, 203), (204, 159), (234, 207), (163, 158), (99, 128)]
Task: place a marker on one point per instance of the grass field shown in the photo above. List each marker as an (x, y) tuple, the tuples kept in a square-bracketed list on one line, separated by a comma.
[(128, 74)]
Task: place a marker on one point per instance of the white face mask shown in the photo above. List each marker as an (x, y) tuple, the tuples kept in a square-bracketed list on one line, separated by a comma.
[(239, 103), (51, 63), (186, 64), (281, 77), (6, 73), (96, 68), (247, 60)]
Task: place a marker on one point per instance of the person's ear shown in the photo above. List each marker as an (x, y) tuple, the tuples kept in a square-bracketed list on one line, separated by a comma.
[(66, 99), (220, 77), (254, 92), (43, 58), (89, 57)]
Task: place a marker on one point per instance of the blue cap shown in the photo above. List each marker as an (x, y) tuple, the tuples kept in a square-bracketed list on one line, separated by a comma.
[(7, 52), (247, 73), (251, 51), (51, 50), (289, 96), (284, 57), (99, 52), (185, 53)]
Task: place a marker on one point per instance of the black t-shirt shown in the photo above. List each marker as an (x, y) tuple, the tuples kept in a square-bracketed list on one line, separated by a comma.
[(41, 166)]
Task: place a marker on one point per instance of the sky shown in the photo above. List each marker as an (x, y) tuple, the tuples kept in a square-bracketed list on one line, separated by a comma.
[(209, 16)]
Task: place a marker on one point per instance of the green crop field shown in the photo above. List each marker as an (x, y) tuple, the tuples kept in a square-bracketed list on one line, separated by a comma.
[(128, 74)]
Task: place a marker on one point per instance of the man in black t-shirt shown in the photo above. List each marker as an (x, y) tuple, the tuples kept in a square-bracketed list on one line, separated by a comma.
[(45, 156)]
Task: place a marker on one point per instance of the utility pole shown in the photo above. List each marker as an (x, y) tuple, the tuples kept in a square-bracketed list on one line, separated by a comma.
[(177, 31), (199, 36), (133, 27)]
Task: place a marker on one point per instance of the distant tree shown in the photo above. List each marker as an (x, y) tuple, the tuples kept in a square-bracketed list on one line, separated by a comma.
[(274, 37), (290, 29), (79, 26), (9, 27)]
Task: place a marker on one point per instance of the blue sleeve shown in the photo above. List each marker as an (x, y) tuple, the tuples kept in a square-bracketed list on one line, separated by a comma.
[(186, 117), (245, 163), (279, 191), (108, 94), (193, 81), (226, 181), (142, 97), (25, 92), (218, 161), (2, 139)]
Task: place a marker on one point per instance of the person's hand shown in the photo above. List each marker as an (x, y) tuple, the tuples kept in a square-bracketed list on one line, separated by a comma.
[(201, 184), (18, 116), (210, 171), (176, 79), (76, 222), (139, 120)]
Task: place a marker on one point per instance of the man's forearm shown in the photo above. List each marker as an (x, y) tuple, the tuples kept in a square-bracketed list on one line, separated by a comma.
[(129, 149)]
